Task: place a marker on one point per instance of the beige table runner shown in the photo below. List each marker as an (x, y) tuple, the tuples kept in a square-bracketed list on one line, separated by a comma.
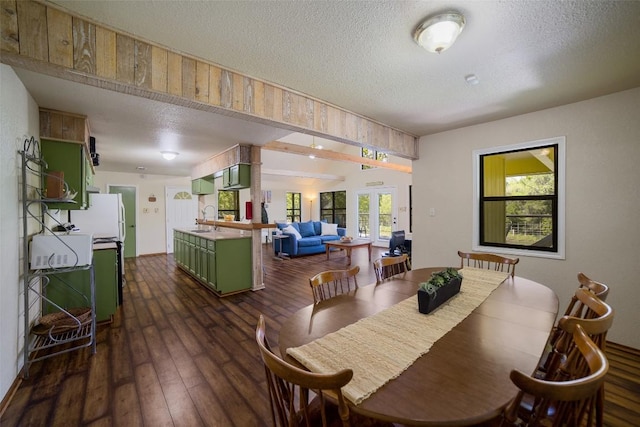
[(380, 347)]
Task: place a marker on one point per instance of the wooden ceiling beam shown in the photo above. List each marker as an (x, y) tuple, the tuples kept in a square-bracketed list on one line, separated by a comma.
[(39, 36), (285, 147)]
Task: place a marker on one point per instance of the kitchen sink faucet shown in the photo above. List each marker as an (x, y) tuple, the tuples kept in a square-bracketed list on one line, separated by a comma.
[(204, 212)]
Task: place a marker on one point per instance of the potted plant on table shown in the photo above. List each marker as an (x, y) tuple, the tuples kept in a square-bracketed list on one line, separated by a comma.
[(440, 287)]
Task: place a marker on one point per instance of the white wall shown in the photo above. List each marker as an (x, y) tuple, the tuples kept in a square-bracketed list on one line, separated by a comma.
[(150, 225), (18, 120), (602, 203)]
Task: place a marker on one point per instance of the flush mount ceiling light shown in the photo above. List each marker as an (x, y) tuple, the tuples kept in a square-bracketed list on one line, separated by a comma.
[(439, 32), (168, 155)]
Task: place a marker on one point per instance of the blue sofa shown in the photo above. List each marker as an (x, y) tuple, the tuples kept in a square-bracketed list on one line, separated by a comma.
[(310, 242)]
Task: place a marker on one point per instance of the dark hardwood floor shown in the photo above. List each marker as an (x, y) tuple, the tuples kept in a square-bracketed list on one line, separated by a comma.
[(177, 355)]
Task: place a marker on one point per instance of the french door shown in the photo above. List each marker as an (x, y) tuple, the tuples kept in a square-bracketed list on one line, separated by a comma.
[(377, 214)]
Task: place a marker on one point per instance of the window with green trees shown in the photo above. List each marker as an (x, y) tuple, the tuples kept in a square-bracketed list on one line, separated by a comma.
[(228, 203), (372, 154), (519, 197), (333, 207), (294, 207)]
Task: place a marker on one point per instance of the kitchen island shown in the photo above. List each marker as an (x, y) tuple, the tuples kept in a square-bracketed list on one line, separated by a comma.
[(220, 260)]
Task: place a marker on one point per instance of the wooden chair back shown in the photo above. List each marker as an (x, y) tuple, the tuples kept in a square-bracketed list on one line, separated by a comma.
[(596, 325), (289, 389), (488, 261), (561, 362), (387, 267), (577, 309), (330, 283), (560, 403)]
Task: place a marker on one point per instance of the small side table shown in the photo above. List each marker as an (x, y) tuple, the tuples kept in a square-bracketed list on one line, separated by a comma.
[(278, 238)]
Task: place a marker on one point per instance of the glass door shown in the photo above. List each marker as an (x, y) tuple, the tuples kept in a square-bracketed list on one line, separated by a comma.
[(377, 214)]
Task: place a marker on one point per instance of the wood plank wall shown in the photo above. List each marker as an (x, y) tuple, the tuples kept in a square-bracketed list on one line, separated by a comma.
[(45, 38)]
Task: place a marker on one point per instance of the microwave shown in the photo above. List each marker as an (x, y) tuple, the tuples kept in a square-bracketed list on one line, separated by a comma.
[(61, 250)]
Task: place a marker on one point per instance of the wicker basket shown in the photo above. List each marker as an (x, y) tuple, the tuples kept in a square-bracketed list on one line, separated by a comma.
[(62, 319)]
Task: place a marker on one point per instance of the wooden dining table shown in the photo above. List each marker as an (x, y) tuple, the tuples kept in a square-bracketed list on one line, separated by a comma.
[(464, 378)]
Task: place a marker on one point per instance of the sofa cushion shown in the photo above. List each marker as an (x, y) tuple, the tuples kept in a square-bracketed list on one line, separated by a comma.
[(306, 229), (329, 229), (309, 241), (292, 230), (329, 238), (317, 226)]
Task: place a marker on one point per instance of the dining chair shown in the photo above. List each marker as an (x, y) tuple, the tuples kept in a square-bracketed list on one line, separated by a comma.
[(330, 283), (559, 363), (595, 315), (581, 306), (290, 387), (488, 261), (570, 402), (575, 308), (387, 267)]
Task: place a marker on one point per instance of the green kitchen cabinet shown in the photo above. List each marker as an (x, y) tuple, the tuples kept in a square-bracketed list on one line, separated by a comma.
[(211, 264), (234, 269), (202, 185), (73, 289), (70, 158), (203, 272), (223, 264), (237, 177), (178, 247)]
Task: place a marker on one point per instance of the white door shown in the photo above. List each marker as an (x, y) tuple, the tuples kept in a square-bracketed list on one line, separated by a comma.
[(377, 214), (182, 211)]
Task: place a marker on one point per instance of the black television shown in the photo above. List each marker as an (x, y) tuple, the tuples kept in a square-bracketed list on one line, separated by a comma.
[(396, 243)]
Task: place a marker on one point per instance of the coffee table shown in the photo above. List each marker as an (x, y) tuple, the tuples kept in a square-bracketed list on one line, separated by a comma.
[(348, 246)]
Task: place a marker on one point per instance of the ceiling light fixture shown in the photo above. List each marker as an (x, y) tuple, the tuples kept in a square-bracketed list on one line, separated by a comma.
[(314, 146), (168, 155), (471, 79), (439, 32)]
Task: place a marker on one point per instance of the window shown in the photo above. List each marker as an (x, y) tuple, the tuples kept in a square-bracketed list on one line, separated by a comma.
[(519, 200), (372, 154), (333, 207), (294, 207), (228, 203)]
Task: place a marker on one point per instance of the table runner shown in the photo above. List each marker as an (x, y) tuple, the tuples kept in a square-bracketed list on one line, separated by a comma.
[(380, 347)]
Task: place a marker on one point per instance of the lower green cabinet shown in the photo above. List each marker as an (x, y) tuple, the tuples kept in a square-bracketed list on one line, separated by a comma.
[(73, 289), (225, 264), (233, 265)]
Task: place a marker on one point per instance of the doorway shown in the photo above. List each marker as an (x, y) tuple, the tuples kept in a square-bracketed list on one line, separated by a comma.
[(130, 209), (377, 214), (182, 210)]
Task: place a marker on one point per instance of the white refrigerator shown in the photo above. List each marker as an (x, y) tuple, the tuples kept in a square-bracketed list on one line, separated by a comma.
[(104, 218)]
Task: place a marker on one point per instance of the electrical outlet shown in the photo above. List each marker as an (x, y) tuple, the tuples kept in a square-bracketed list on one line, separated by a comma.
[(432, 211)]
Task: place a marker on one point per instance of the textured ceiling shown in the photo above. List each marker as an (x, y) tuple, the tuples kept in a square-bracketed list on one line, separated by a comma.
[(360, 55)]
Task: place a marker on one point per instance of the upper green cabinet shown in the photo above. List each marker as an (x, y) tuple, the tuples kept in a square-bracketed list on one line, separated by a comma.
[(202, 185), (69, 158), (237, 176)]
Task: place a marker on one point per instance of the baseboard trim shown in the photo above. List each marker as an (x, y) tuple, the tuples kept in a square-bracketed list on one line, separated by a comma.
[(9, 396)]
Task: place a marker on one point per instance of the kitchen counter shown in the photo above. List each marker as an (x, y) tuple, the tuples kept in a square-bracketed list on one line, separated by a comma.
[(238, 225), (213, 234), (220, 260)]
